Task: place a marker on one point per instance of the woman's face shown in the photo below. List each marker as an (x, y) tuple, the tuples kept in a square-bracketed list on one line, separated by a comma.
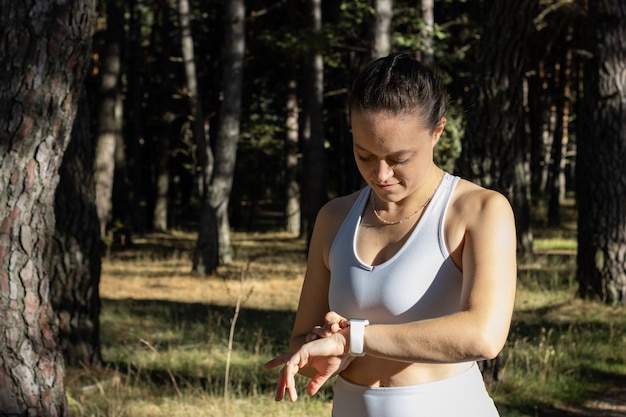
[(394, 154)]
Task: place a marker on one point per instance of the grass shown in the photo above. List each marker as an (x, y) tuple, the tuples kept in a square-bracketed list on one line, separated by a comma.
[(165, 334)]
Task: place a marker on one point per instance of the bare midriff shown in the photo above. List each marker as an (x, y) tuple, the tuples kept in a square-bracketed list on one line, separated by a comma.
[(377, 372)]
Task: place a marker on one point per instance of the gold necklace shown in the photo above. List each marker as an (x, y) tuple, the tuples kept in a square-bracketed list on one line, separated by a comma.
[(387, 222)]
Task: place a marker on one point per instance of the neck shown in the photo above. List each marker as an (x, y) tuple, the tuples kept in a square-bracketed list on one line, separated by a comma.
[(413, 209)]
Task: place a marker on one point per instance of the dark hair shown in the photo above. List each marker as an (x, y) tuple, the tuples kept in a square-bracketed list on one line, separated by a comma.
[(399, 84)]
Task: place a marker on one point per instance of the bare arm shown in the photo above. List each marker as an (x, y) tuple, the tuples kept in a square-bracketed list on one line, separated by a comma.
[(313, 304), (480, 329)]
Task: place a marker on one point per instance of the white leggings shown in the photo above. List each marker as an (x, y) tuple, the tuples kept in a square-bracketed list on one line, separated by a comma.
[(462, 395)]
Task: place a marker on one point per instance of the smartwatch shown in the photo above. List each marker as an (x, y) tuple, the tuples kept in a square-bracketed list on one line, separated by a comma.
[(357, 333)]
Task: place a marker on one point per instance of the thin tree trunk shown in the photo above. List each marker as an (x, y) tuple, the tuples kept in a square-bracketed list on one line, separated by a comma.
[(205, 259), (600, 174), (559, 144), (538, 114), (199, 125), (45, 51), (110, 118), (159, 218), (292, 206), (381, 42), (137, 184), (427, 50), (313, 129), (163, 103), (292, 186), (230, 111)]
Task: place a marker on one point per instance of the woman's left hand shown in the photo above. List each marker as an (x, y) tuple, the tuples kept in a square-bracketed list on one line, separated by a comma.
[(333, 323), (326, 355)]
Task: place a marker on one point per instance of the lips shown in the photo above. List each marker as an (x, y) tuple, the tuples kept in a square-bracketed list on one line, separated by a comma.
[(386, 186)]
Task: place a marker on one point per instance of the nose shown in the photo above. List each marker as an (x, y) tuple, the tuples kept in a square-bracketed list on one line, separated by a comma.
[(384, 171)]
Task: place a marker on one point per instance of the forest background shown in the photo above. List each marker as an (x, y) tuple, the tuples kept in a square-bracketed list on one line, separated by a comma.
[(224, 117)]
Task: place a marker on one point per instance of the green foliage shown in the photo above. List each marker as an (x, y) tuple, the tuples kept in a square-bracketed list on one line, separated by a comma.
[(449, 146)]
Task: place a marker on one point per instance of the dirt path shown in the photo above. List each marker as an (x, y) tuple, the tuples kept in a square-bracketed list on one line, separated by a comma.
[(610, 404)]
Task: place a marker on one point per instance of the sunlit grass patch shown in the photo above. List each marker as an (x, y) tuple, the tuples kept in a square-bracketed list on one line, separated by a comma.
[(165, 334), (555, 244)]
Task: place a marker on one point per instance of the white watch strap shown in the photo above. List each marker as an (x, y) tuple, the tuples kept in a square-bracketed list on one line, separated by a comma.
[(357, 333)]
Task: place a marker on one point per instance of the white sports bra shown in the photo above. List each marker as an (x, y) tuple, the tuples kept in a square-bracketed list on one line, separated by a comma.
[(419, 282)]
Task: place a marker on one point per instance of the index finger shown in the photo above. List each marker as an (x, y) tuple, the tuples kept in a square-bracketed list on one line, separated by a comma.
[(278, 360), (334, 322)]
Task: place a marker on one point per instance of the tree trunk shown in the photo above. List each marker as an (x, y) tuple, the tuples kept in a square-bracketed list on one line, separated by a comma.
[(75, 254), (561, 137), (45, 50), (601, 178), (426, 49), (161, 202), (230, 111), (110, 117), (205, 260), (539, 115), (494, 148), (313, 129), (134, 213), (292, 206), (293, 211), (164, 105), (381, 43), (199, 126)]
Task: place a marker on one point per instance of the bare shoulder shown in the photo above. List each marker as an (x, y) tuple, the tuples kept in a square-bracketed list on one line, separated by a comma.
[(481, 216), (473, 202), (329, 220), (334, 212)]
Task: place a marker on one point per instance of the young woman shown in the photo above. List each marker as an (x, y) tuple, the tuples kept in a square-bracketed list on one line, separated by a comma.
[(411, 280)]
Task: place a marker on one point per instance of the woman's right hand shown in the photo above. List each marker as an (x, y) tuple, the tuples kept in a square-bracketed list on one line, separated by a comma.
[(327, 356)]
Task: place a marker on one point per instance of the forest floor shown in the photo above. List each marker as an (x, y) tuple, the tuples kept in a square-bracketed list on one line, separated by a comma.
[(178, 285), (611, 403)]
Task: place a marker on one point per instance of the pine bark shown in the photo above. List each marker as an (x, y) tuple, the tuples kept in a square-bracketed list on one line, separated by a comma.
[(600, 174), (45, 50)]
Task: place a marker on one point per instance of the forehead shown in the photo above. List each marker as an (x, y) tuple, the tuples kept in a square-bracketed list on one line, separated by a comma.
[(384, 150), (374, 121), (386, 132)]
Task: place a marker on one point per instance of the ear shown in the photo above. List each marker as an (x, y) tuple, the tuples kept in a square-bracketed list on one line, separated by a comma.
[(438, 131)]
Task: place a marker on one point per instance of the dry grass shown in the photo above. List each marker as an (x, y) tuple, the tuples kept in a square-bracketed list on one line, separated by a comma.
[(165, 334), (164, 330), (158, 267)]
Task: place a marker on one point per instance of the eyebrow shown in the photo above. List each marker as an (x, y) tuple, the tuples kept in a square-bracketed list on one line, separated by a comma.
[(397, 153)]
